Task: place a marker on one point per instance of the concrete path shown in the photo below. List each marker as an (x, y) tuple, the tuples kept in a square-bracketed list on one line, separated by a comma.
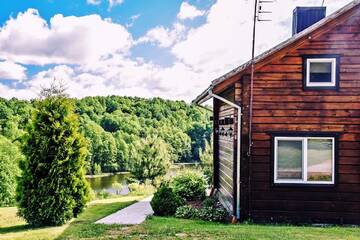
[(133, 214)]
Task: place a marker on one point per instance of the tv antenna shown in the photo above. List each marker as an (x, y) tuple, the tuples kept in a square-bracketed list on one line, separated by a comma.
[(259, 12)]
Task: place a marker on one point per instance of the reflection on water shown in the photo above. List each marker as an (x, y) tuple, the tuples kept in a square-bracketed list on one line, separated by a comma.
[(106, 183)]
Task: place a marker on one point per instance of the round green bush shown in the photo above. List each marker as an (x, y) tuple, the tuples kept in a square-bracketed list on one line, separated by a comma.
[(190, 185), (165, 201)]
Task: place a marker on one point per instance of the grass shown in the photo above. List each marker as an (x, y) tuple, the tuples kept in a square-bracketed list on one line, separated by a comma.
[(12, 227), (172, 228)]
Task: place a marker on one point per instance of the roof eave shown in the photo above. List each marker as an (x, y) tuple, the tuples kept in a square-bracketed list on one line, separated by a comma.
[(203, 97)]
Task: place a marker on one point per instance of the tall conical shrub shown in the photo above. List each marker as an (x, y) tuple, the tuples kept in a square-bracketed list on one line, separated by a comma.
[(52, 188)]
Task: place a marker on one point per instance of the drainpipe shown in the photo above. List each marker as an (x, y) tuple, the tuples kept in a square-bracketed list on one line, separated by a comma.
[(239, 113)]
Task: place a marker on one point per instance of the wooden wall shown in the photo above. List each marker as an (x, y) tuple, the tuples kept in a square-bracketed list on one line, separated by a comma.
[(281, 104), (225, 154)]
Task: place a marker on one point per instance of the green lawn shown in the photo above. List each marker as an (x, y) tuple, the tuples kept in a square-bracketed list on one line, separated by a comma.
[(11, 227), (172, 228)]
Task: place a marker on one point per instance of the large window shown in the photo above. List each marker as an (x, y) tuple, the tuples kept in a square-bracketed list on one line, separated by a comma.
[(321, 72), (308, 160)]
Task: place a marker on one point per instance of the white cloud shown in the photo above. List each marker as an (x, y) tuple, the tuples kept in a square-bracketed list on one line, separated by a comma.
[(28, 39), (93, 2), (133, 19), (224, 41), (163, 37), (12, 71), (120, 76), (188, 11), (101, 65), (113, 3), (8, 92)]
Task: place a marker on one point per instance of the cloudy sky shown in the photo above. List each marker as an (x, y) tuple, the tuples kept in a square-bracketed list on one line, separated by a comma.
[(167, 48)]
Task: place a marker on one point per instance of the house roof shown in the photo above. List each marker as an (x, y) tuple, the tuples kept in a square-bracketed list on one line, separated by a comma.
[(204, 96)]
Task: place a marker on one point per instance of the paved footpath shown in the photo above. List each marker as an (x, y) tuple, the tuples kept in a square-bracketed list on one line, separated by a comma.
[(133, 214)]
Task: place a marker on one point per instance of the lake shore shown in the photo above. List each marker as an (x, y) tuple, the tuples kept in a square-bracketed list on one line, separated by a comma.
[(105, 174)]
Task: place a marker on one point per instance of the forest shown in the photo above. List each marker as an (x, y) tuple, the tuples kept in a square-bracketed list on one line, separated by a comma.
[(115, 126)]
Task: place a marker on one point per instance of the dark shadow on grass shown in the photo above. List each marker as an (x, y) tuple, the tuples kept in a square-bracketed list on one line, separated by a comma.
[(17, 228)]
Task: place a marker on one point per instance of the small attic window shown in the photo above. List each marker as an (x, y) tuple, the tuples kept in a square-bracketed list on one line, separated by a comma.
[(321, 72)]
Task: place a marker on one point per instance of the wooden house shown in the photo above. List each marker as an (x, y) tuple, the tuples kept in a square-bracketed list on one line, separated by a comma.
[(301, 115)]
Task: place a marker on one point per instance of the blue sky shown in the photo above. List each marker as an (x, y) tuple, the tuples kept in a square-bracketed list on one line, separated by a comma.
[(167, 48)]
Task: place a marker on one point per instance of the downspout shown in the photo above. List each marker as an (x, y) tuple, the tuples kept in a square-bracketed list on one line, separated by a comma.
[(238, 157)]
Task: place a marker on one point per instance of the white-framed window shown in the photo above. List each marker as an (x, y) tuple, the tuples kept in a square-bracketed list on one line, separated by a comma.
[(321, 72), (304, 160)]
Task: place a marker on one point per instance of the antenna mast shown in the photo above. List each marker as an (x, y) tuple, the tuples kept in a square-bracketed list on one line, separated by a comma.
[(258, 11)]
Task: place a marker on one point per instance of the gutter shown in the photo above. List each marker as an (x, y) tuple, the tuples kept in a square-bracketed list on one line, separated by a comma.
[(209, 94)]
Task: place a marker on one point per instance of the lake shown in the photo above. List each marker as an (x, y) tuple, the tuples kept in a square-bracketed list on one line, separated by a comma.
[(106, 182)]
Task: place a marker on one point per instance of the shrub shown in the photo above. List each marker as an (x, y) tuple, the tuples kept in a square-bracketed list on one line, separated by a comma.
[(190, 185), (213, 214), (211, 211), (165, 201), (10, 157), (187, 212), (52, 188), (103, 194), (117, 187), (210, 202), (97, 169), (141, 189), (133, 187), (92, 195)]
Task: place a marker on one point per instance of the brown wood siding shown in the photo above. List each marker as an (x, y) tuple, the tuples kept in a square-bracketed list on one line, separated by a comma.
[(226, 160), (225, 153), (281, 104)]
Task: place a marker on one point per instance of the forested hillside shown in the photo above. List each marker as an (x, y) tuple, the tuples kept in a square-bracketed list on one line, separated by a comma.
[(114, 125)]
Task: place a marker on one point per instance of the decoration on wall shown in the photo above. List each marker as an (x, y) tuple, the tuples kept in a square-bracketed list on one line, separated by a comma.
[(225, 127), (231, 132)]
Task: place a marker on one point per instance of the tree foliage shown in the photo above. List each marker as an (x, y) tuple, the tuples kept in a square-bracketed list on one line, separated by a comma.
[(10, 156), (112, 125), (52, 188), (150, 158), (207, 162)]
